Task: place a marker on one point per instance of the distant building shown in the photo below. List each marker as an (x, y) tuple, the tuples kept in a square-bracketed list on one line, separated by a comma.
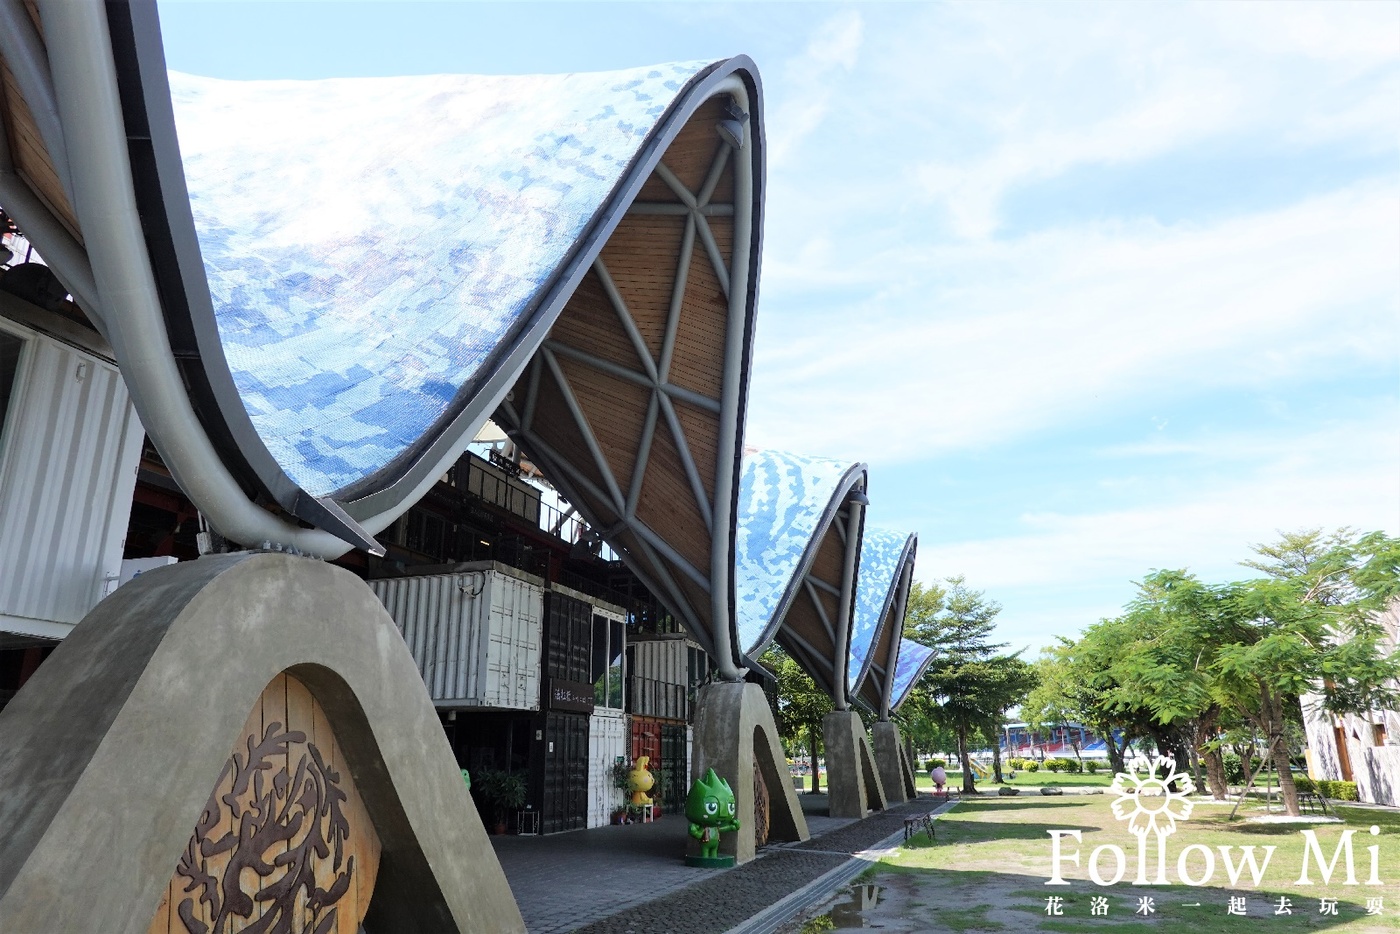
[(1365, 750)]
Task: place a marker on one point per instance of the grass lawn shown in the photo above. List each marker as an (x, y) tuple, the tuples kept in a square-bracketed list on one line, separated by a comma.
[(1024, 780), (987, 868)]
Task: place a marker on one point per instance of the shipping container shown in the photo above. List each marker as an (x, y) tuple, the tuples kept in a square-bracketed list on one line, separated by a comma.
[(662, 675), (475, 633), (70, 443), (666, 747), (607, 744), (564, 782)]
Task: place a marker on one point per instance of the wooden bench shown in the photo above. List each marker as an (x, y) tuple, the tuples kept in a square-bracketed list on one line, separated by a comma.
[(919, 822)]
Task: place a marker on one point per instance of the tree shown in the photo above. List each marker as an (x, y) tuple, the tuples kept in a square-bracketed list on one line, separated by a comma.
[(1253, 647), (801, 704), (957, 623), (1009, 680)]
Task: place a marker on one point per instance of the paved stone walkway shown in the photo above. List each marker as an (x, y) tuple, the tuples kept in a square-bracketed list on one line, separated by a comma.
[(566, 880), (721, 899)]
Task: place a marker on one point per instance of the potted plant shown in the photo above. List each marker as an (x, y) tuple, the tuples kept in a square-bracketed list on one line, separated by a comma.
[(502, 792), (620, 771)]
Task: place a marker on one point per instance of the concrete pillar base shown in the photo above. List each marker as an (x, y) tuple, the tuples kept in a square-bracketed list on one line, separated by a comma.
[(853, 784), (115, 745), (734, 730), (896, 771)]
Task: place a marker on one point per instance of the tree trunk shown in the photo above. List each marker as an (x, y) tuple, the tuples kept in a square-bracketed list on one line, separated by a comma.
[(1215, 774), (1115, 753), (816, 780), (968, 787), (996, 764), (1271, 713)]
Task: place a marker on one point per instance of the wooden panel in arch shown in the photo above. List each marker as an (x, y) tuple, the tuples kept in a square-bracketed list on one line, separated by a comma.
[(284, 844)]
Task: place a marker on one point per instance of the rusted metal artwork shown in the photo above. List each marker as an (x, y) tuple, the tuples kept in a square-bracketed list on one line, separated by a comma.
[(283, 844), (288, 823)]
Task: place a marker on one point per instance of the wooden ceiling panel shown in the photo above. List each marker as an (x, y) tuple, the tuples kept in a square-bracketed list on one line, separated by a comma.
[(694, 149), (615, 410), (702, 436), (831, 557), (554, 424), (722, 229), (27, 150), (668, 504), (590, 323), (698, 361), (641, 256), (724, 190)]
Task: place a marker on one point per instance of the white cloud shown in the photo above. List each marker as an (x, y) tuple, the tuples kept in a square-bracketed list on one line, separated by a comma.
[(1342, 475), (808, 82), (965, 345)]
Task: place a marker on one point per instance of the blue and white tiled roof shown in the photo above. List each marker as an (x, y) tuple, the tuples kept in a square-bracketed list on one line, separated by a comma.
[(782, 499), (369, 241), (913, 659), (880, 551)]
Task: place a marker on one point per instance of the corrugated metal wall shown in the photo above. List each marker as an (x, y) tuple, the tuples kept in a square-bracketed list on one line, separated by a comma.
[(607, 741), (475, 636), (71, 448), (661, 660)]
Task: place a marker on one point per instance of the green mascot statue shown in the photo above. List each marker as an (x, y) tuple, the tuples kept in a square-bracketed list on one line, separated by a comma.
[(710, 810)]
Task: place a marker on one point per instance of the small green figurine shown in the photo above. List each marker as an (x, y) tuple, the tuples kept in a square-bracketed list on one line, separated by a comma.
[(710, 810)]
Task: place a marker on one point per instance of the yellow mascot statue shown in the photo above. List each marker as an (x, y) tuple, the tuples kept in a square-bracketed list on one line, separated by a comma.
[(639, 782)]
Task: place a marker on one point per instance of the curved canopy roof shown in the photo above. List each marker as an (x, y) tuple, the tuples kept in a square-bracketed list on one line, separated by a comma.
[(886, 560), (318, 291), (370, 243), (787, 502), (914, 659)]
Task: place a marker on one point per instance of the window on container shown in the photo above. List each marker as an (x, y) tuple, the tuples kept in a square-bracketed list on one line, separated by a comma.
[(598, 661), (10, 348), (616, 645)]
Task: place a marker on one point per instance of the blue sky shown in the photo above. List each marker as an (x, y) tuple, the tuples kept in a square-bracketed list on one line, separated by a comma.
[(1092, 288)]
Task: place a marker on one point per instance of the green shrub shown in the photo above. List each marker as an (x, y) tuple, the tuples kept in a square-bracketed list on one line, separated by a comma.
[(937, 763), (1304, 784), (1091, 766), (1032, 766), (1073, 765), (1338, 791)]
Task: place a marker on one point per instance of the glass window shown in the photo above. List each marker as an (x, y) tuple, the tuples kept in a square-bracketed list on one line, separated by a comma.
[(10, 347), (615, 651), (598, 660)]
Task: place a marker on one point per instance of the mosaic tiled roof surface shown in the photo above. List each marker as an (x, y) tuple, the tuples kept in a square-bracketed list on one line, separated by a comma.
[(369, 241), (781, 501), (879, 564), (913, 659)]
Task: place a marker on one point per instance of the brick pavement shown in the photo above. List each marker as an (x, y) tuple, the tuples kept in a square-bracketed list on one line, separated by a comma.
[(630, 880)]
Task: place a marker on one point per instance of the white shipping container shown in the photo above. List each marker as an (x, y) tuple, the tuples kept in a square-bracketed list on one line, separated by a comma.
[(475, 634), (607, 740), (69, 451)]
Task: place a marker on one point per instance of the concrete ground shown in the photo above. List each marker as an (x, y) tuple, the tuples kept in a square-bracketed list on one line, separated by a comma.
[(633, 878)]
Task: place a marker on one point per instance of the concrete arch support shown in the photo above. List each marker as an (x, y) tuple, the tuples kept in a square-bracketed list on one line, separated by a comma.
[(854, 786), (896, 772), (734, 731), (119, 738)]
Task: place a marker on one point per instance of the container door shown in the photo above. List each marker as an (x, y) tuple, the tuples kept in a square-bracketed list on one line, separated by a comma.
[(565, 798), (674, 767), (607, 742)]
